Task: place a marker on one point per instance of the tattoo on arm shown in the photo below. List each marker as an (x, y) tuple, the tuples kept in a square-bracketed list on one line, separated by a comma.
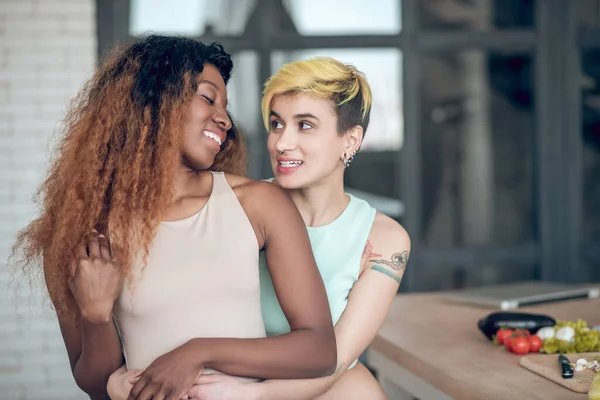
[(398, 261), (368, 251), (386, 272)]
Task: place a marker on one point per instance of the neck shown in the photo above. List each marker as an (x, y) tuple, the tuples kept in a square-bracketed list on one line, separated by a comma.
[(322, 202), (183, 180)]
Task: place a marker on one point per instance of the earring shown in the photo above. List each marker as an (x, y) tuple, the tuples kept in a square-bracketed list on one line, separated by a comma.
[(352, 157), (346, 162)]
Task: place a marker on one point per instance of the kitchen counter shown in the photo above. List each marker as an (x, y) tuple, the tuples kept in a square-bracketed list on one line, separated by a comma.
[(431, 348)]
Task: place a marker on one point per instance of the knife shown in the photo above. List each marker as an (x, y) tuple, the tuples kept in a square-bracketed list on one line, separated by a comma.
[(565, 367)]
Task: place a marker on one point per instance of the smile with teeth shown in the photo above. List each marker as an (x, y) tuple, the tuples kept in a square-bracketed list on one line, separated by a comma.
[(289, 164), (212, 136)]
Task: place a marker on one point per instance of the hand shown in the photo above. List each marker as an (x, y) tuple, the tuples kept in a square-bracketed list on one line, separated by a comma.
[(221, 387), (96, 279), (169, 377), (120, 383)]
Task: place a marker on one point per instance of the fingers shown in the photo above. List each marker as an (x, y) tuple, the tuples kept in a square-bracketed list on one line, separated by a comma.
[(118, 387), (104, 247), (174, 396), (154, 394), (195, 392), (94, 245), (137, 388), (134, 378), (82, 251), (144, 390)]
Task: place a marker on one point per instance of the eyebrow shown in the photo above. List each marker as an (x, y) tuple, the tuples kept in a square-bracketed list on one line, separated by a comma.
[(211, 83), (306, 115), (297, 116)]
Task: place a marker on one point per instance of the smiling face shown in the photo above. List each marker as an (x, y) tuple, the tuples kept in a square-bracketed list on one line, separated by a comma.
[(205, 129), (304, 144)]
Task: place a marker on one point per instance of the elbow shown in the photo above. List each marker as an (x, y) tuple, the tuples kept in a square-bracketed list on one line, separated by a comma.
[(325, 360), (324, 366), (94, 390), (328, 365)]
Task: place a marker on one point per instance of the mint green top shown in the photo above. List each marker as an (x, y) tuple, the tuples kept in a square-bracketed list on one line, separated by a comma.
[(338, 248)]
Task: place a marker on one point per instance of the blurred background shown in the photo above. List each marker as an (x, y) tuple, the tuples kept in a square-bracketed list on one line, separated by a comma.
[(484, 139)]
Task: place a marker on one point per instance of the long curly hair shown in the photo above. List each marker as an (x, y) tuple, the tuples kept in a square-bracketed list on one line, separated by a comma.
[(120, 145)]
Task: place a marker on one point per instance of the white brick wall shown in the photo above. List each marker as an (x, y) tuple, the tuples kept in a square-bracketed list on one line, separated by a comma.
[(47, 50)]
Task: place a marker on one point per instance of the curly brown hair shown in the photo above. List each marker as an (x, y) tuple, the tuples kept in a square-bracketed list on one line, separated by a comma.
[(114, 163)]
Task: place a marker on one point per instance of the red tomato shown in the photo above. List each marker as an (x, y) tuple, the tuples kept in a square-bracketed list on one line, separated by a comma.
[(535, 344), (519, 345), (522, 332), (507, 342), (502, 334)]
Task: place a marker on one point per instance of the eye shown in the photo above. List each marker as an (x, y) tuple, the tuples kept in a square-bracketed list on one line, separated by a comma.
[(210, 101), (305, 126), (276, 125)]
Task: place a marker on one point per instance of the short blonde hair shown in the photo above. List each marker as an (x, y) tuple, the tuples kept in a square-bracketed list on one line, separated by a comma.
[(325, 78)]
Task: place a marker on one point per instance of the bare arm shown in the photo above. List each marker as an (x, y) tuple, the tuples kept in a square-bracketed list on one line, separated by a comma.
[(94, 353), (90, 337), (309, 350), (368, 304)]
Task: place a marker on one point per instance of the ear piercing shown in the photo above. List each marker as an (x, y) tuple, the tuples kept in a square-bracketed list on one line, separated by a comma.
[(347, 160)]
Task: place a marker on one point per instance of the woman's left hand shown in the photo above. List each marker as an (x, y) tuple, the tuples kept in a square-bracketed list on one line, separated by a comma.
[(221, 387), (120, 383), (169, 377)]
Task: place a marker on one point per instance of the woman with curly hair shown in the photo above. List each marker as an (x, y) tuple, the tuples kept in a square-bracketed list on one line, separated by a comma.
[(148, 236)]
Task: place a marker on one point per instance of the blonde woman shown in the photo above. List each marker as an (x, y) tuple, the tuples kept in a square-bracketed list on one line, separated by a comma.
[(317, 114)]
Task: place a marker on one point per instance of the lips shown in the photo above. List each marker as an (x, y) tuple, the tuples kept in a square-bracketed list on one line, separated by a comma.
[(286, 165), (288, 160)]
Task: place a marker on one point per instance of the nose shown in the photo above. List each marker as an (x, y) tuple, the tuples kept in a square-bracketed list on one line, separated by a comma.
[(222, 119), (286, 141)]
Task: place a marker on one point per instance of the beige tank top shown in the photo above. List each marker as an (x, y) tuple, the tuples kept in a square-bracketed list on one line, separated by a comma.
[(201, 280)]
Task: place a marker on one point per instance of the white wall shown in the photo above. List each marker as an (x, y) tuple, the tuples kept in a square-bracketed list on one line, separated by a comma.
[(47, 50)]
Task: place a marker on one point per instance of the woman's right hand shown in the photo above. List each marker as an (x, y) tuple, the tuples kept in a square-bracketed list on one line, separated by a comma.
[(96, 279), (121, 381)]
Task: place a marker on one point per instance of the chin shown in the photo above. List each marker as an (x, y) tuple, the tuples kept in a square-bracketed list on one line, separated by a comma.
[(199, 163), (292, 182)]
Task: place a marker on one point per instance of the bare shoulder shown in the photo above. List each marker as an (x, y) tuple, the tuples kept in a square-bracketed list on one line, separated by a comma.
[(236, 181), (265, 203), (266, 206), (386, 230), (258, 193), (388, 245)]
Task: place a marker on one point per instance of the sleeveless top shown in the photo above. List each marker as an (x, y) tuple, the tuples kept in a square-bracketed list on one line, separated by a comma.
[(193, 284), (338, 248)]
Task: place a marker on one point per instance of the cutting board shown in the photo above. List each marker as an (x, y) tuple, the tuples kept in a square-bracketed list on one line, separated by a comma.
[(547, 366)]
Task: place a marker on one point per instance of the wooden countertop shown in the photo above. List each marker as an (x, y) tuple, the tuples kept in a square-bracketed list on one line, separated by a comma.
[(439, 342)]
